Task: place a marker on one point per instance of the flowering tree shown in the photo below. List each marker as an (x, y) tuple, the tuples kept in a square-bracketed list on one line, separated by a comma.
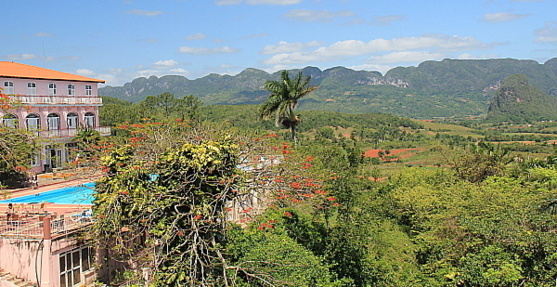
[(16, 148)]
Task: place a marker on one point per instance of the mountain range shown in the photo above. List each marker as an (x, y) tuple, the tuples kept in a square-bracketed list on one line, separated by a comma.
[(433, 89)]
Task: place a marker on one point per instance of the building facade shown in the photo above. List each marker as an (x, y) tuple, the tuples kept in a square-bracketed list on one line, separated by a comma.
[(52, 104)]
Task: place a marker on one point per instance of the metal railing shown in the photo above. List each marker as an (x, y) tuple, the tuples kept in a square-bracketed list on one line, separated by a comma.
[(33, 226), (104, 131), (59, 99)]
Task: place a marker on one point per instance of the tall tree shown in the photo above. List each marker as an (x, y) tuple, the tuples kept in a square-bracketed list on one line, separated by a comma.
[(284, 97)]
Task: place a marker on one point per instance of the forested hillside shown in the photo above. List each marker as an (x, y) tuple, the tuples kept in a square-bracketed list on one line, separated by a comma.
[(517, 100), (434, 89), (360, 199)]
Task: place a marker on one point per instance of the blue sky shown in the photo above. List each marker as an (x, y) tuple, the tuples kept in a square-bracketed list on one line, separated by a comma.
[(118, 41)]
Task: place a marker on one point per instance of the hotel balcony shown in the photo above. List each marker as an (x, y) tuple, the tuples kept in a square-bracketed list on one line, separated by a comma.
[(59, 100), (103, 131)]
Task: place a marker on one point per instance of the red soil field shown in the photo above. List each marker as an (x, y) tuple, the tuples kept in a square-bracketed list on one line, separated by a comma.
[(401, 153)]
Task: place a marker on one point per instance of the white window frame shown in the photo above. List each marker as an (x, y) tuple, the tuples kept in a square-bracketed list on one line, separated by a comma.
[(53, 122), (36, 159), (10, 120), (8, 88), (32, 124), (31, 89), (89, 120), (88, 90), (52, 89), (72, 120), (71, 90), (73, 264)]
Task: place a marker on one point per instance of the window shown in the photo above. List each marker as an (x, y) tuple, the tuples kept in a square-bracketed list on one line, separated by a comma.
[(72, 121), (53, 121), (52, 89), (31, 89), (88, 90), (8, 88), (10, 120), (89, 120), (73, 264), (33, 122), (36, 160), (71, 90)]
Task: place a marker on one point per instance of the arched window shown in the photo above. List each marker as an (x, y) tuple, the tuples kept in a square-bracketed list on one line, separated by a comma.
[(89, 119), (33, 122), (72, 121), (10, 120), (53, 121)]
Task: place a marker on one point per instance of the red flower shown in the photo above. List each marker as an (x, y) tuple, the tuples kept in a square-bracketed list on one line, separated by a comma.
[(288, 214), (197, 217), (332, 198), (296, 185)]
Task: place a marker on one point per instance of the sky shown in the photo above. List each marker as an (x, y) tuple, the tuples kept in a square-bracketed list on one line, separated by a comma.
[(121, 40)]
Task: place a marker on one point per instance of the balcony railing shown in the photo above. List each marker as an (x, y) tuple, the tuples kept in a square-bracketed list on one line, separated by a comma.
[(32, 226), (59, 100), (104, 131)]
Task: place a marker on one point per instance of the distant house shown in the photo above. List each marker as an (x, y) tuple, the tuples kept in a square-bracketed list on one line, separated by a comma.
[(54, 105)]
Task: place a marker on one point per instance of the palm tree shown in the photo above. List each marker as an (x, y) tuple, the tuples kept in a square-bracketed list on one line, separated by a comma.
[(284, 97)]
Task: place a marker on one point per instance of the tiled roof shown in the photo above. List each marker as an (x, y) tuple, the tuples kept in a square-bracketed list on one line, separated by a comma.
[(17, 70)]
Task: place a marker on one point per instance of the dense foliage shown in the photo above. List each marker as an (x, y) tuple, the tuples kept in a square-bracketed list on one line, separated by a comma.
[(318, 213), (16, 148), (516, 100)]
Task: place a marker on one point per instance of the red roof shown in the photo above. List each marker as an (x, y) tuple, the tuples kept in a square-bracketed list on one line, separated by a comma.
[(17, 70)]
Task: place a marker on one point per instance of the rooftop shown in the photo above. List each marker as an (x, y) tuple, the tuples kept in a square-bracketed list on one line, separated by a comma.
[(17, 70)]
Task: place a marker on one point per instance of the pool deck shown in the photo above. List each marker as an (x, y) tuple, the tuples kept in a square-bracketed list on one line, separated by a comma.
[(46, 183)]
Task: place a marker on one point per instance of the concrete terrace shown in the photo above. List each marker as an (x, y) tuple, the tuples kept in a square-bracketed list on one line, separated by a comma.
[(28, 219)]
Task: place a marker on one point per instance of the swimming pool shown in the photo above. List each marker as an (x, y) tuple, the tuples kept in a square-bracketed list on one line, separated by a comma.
[(79, 194)]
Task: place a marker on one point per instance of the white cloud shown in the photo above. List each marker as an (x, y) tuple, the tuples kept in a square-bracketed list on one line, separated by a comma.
[(143, 12), (258, 2), (285, 47), (434, 43), (207, 51), (178, 71), (547, 34), (503, 17), (85, 72), (406, 57), (198, 36), (305, 15), (162, 64), (19, 57)]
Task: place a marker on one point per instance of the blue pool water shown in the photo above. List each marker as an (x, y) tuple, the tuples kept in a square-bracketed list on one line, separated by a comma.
[(80, 194)]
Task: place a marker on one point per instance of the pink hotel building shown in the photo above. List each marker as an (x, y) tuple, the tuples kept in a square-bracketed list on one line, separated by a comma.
[(54, 105), (41, 249)]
